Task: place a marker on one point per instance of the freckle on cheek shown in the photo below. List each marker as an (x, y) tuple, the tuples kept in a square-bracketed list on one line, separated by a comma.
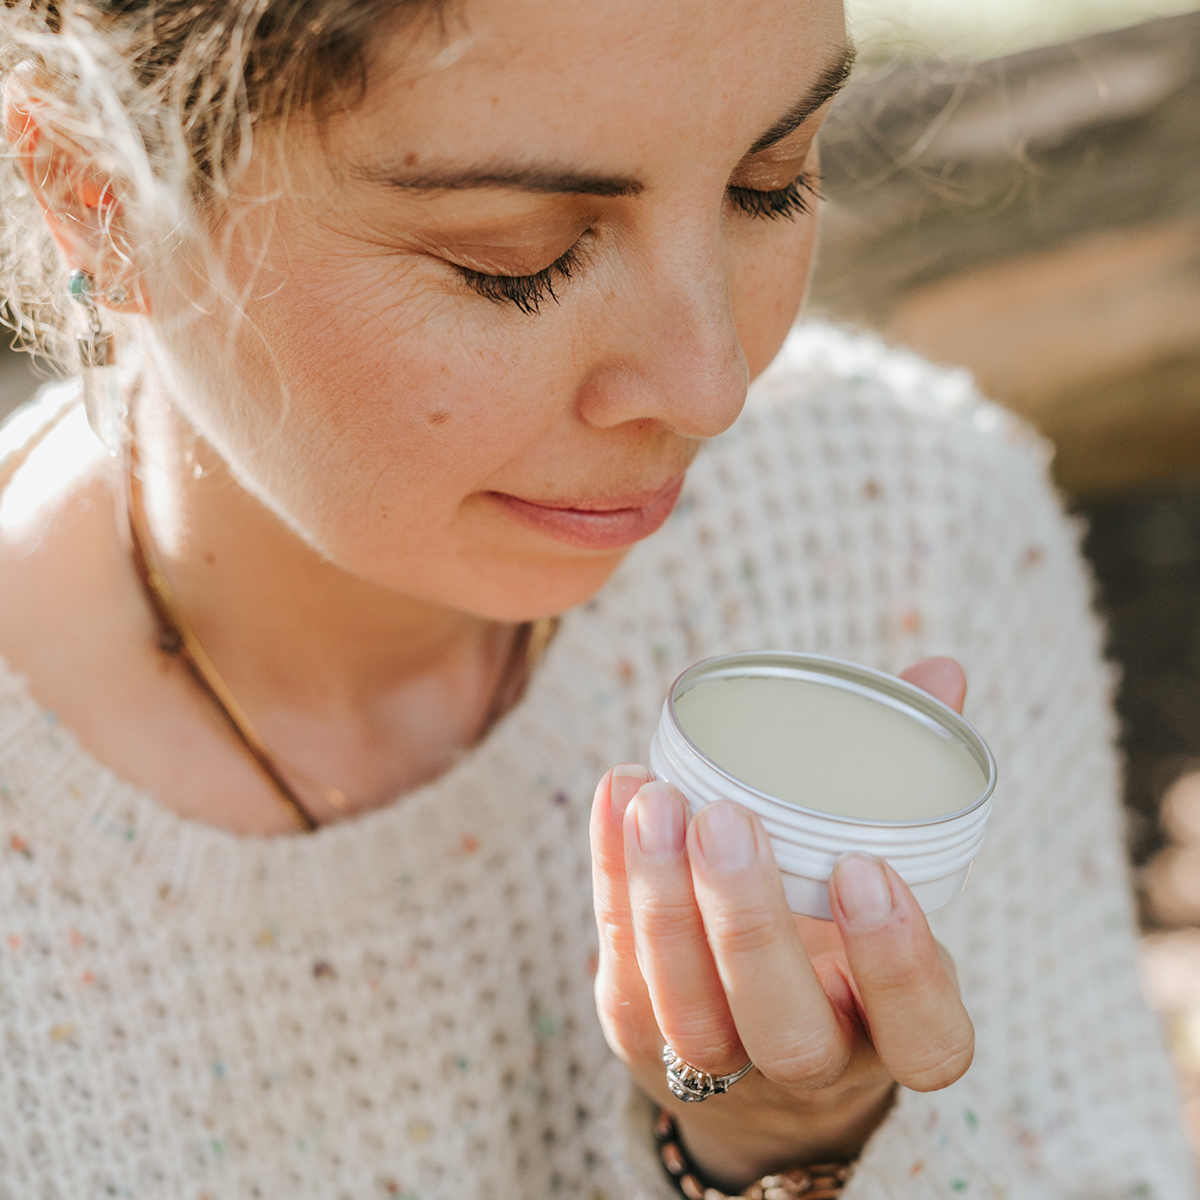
[(439, 417)]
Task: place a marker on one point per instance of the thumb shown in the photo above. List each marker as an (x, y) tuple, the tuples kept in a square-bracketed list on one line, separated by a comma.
[(942, 678)]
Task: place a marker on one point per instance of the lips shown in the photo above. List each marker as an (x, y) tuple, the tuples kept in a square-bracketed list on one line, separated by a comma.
[(609, 524)]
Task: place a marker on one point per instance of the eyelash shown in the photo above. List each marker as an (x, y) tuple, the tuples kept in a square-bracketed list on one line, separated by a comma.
[(528, 292), (786, 203)]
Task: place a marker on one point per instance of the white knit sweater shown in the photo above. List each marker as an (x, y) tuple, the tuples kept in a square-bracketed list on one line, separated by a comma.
[(400, 1006)]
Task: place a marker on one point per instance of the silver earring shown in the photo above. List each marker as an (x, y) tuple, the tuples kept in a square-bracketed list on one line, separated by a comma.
[(106, 410)]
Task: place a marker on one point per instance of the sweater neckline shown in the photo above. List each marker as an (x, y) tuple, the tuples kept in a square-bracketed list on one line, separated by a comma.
[(75, 799)]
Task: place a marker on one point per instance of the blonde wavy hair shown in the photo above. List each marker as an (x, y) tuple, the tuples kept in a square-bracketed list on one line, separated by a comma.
[(165, 97)]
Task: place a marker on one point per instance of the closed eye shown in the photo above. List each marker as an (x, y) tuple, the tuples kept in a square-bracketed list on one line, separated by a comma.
[(785, 203), (527, 292)]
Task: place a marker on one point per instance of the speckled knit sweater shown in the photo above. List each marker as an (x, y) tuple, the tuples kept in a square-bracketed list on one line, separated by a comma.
[(400, 1006)]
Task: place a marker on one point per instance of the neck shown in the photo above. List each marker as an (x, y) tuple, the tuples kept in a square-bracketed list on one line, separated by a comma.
[(361, 686)]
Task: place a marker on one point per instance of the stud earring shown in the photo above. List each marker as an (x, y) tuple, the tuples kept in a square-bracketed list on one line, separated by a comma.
[(116, 295), (106, 410)]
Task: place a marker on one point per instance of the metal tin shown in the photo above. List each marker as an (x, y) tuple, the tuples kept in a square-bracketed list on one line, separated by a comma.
[(933, 856)]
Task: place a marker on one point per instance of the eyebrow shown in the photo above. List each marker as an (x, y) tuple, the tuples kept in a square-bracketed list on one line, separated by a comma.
[(522, 179), (828, 84), (550, 181)]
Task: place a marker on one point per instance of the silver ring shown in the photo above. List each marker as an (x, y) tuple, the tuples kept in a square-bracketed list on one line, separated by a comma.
[(690, 1084)]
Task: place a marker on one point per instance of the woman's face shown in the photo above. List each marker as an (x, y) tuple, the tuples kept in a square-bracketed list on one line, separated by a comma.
[(489, 315)]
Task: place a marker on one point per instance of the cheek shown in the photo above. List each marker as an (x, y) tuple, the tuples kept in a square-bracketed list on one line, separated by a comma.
[(367, 409), (767, 287), (416, 421)]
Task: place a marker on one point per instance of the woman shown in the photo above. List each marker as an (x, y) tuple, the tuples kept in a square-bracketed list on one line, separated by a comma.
[(424, 312)]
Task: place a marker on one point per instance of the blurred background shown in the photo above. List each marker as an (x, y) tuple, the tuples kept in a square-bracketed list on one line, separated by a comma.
[(1014, 187)]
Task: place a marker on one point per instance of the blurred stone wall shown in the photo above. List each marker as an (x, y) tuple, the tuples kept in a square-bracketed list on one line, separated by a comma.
[(981, 29), (1036, 218)]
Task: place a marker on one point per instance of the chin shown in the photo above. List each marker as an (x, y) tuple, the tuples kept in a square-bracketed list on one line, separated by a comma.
[(515, 592)]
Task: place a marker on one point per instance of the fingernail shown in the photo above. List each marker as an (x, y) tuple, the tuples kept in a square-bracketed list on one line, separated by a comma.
[(660, 821), (863, 891), (623, 785), (726, 836)]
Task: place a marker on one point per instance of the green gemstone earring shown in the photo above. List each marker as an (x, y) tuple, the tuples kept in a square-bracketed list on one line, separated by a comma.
[(106, 410)]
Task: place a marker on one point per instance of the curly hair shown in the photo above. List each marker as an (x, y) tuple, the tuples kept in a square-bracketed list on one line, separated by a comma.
[(166, 97)]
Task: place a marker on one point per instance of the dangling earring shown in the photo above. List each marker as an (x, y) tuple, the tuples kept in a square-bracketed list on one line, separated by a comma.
[(106, 410)]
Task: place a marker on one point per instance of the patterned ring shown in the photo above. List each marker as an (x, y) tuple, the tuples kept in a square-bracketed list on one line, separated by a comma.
[(690, 1084)]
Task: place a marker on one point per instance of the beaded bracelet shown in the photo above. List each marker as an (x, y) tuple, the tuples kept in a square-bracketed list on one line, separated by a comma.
[(824, 1182)]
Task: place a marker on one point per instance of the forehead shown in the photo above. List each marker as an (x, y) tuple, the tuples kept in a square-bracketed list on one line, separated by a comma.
[(614, 80)]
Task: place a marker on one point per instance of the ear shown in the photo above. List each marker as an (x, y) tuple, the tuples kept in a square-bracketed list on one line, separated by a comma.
[(78, 199)]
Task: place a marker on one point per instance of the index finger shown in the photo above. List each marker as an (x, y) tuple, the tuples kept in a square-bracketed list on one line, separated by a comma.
[(920, 1029)]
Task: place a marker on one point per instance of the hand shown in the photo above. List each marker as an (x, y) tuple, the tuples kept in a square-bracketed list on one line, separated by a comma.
[(698, 949)]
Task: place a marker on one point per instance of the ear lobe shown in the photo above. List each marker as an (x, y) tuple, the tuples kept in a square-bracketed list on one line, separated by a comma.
[(78, 203)]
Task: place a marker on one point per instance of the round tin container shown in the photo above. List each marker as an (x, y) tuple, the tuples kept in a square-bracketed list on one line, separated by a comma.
[(932, 855)]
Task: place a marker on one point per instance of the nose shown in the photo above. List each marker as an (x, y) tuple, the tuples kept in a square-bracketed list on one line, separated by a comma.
[(671, 354)]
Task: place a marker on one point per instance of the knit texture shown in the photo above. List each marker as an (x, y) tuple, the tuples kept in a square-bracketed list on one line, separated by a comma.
[(401, 1005)]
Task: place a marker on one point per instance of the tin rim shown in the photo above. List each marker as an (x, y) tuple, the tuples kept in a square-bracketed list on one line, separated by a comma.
[(854, 677)]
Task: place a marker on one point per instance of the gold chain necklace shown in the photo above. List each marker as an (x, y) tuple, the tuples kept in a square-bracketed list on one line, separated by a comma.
[(178, 638)]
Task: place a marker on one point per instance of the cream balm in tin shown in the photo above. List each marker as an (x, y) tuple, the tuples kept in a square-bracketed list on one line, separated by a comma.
[(833, 757)]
